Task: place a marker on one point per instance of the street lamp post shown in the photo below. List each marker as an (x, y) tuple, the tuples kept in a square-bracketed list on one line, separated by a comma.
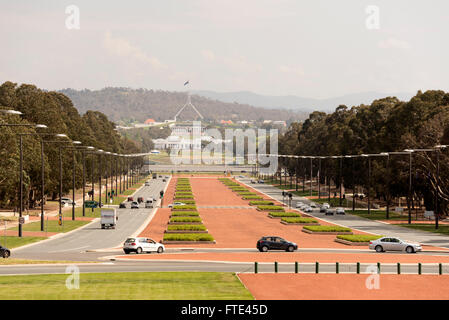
[(311, 175), (21, 170)]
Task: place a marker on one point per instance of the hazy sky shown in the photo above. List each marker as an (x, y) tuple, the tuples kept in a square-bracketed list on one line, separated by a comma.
[(315, 49)]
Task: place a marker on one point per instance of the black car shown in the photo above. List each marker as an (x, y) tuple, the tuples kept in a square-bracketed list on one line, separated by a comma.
[(4, 252), (122, 205), (275, 243)]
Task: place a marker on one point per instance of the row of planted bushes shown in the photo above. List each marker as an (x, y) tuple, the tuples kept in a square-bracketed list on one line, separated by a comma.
[(185, 219), (240, 190)]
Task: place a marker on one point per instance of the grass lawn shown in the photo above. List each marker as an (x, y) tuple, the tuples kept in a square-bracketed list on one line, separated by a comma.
[(306, 193), (442, 228), (53, 225), (377, 214), (127, 286), (14, 241), (79, 213)]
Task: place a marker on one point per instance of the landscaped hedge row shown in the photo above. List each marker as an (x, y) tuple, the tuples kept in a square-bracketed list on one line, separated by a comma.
[(261, 203), (327, 229), (181, 198), (284, 214), (187, 227), (358, 237), (185, 213), (270, 208), (247, 193), (299, 220), (252, 198), (188, 237), (185, 219), (186, 207)]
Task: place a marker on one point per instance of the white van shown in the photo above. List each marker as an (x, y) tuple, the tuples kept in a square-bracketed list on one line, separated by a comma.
[(108, 218), (149, 203)]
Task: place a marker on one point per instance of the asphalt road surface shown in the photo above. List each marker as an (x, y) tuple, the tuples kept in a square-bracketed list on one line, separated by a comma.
[(92, 237)]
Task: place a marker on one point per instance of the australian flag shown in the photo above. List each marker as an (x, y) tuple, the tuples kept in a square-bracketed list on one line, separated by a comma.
[(186, 83)]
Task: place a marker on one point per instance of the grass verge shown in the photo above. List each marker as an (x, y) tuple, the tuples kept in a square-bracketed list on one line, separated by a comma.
[(11, 242), (127, 286)]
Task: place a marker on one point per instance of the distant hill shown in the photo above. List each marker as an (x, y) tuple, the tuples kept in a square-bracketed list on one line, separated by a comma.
[(305, 105), (141, 104)]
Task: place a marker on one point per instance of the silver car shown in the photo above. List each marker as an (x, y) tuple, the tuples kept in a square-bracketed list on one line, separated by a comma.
[(340, 211), (394, 244), (299, 204)]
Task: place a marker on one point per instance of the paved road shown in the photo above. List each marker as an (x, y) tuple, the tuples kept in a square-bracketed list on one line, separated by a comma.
[(73, 245), (359, 223)]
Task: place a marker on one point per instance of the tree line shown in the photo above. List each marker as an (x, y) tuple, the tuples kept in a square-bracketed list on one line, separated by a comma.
[(56, 111), (386, 125)]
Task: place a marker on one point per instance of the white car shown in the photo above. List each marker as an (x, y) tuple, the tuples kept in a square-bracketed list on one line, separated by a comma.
[(176, 204), (67, 201), (139, 245), (307, 209), (147, 184), (299, 204), (394, 244), (340, 210), (326, 205)]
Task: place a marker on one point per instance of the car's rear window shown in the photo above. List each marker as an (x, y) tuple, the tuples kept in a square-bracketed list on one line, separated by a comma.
[(130, 240)]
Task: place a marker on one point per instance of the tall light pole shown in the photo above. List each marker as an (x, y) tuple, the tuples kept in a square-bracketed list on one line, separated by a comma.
[(99, 152), (311, 175), (437, 202), (21, 173), (83, 153)]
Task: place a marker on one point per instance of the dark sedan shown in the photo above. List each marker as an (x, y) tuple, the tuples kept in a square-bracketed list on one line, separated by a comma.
[(275, 243), (122, 205), (4, 252)]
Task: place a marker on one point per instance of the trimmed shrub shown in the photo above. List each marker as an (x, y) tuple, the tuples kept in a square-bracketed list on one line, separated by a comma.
[(185, 219), (358, 237), (270, 208), (299, 220), (181, 198), (261, 203), (327, 229), (252, 198), (188, 237), (247, 193), (187, 208), (191, 227), (284, 214), (185, 213), (188, 201)]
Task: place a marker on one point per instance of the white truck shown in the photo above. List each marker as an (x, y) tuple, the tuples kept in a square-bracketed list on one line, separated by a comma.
[(108, 218)]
